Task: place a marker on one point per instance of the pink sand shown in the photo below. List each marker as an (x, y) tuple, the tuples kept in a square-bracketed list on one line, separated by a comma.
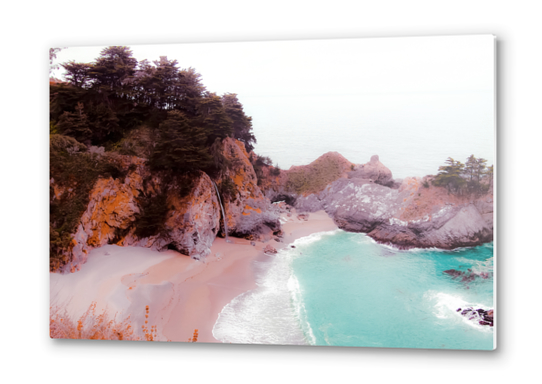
[(183, 294)]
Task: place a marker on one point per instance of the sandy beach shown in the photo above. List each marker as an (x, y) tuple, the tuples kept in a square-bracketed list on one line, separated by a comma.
[(182, 294)]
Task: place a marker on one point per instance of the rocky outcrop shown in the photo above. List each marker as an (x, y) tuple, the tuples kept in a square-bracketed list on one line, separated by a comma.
[(480, 315), (373, 170), (112, 208), (410, 213), (191, 223), (248, 211), (191, 219), (299, 185), (111, 216)]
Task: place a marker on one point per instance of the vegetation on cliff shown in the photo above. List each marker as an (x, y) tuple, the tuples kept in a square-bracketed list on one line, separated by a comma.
[(118, 106), (314, 177), (472, 177)]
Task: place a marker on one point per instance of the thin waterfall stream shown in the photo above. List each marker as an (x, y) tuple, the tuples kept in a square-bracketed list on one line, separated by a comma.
[(223, 214)]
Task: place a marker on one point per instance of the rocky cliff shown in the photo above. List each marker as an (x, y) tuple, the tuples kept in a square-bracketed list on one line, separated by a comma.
[(138, 208), (404, 213), (187, 213)]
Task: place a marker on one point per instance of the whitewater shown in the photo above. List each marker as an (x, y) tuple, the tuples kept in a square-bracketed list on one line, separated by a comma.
[(343, 289)]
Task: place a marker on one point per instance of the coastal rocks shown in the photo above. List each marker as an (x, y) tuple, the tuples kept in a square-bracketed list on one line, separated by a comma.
[(359, 206), (112, 207), (373, 170), (303, 216), (448, 228), (269, 249), (412, 214), (300, 186), (111, 216), (479, 315), (468, 276), (248, 212), (191, 223)]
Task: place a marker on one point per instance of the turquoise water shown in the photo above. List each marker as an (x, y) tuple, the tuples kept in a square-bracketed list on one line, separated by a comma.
[(342, 289), (358, 293)]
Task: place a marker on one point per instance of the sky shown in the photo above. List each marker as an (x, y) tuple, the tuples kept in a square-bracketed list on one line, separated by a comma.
[(335, 66), (286, 85)]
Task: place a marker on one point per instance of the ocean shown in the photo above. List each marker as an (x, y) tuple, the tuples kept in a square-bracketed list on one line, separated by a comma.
[(412, 133), (343, 289)]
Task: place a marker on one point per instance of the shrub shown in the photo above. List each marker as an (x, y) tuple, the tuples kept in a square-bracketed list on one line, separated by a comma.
[(90, 326), (313, 177)]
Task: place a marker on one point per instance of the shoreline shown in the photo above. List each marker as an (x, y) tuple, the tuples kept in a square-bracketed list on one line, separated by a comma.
[(183, 294)]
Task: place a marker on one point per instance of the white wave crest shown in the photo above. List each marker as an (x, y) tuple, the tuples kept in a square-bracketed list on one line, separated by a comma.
[(273, 313)]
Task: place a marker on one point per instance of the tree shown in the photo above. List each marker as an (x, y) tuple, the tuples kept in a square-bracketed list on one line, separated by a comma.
[(77, 74), (480, 167), (113, 69), (52, 57), (213, 118), (181, 146), (449, 175), (75, 125), (241, 123), (489, 174), (470, 168)]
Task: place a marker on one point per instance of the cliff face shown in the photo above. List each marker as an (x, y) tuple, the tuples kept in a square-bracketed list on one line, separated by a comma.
[(190, 220), (249, 213)]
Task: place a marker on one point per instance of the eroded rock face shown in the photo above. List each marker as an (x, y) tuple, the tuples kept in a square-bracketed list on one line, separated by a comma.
[(191, 225), (373, 170), (112, 207), (191, 221), (249, 213)]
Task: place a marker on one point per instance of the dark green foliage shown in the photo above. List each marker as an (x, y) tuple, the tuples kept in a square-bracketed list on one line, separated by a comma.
[(113, 69), (74, 172), (153, 110), (315, 177), (242, 124), (138, 142), (153, 216), (219, 162), (258, 163), (213, 118), (459, 178), (75, 124), (77, 74), (449, 176), (227, 189), (275, 171), (181, 147)]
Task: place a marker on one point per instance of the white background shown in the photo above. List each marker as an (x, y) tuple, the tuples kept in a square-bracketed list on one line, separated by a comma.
[(29, 29)]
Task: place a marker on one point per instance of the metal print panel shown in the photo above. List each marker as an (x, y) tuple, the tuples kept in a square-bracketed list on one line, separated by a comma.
[(320, 192)]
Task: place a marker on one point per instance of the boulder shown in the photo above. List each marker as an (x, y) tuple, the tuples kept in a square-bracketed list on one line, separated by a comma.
[(270, 249), (374, 170)]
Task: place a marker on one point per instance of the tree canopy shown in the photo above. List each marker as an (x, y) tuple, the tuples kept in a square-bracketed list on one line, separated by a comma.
[(101, 102), (473, 176)]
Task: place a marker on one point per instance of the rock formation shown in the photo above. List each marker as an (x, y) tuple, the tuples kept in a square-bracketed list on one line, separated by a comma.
[(407, 213), (360, 198), (191, 220)]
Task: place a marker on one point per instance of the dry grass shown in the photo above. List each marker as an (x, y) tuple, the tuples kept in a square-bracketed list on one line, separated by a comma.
[(314, 177), (93, 326)]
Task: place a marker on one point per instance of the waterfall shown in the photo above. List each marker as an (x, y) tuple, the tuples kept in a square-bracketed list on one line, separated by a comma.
[(223, 214)]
